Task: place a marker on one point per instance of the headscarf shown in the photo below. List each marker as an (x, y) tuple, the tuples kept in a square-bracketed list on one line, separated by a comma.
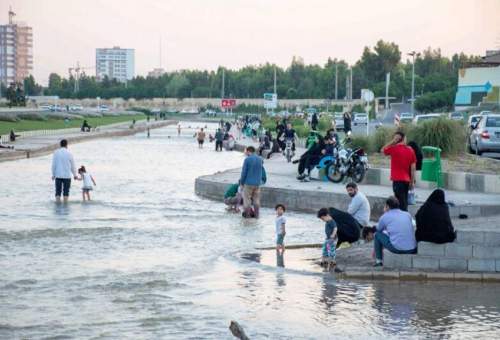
[(436, 197)]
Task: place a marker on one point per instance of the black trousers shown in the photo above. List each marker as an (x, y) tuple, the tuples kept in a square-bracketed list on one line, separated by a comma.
[(401, 192), (218, 145)]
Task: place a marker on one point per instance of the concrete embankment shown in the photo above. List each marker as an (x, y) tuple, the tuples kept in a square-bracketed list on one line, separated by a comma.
[(35, 146)]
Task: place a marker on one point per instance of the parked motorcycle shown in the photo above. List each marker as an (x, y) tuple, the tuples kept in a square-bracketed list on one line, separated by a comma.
[(348, 163)]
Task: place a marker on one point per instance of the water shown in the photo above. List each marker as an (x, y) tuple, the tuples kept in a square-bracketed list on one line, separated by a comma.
[(148, 259)]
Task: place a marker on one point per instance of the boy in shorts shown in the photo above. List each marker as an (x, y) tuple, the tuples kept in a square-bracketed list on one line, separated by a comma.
[(280, 228)]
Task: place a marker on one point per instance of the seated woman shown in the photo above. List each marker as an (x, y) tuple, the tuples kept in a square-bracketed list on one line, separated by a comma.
[(433, 220)]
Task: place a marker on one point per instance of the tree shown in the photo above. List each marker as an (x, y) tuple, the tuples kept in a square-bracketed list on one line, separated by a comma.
[(31, 88)]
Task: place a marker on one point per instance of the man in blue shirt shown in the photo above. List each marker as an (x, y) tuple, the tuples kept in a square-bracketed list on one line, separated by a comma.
[(252, 176), (394, 232)]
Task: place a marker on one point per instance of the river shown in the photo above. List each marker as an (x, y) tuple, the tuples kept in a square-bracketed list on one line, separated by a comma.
[(148, 259)]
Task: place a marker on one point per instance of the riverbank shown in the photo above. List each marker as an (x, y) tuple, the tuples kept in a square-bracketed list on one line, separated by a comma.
[(466, 259), (39, 145)]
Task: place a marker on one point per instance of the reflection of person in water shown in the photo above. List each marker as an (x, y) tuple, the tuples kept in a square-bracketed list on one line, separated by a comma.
[(280, 260)]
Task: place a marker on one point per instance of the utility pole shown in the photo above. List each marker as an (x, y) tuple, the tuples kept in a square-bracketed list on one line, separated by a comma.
[(274, 79), (336, 80), (413, 54), (222, 90), (350, 86)]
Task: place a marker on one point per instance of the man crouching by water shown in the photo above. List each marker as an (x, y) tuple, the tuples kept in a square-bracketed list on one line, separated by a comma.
[(394, 232)]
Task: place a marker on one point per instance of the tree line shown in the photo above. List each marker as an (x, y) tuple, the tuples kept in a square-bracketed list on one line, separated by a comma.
[(436, 79)]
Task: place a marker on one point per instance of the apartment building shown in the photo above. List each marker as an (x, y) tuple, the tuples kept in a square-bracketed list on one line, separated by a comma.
[(116, 63)]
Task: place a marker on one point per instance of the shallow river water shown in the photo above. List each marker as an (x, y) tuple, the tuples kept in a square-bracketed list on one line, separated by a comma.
[(148, 259)]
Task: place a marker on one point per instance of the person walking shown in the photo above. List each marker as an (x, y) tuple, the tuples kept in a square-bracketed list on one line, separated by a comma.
[(403, 167), (252, 176), (314, 121), (347, 122), (63, 166)]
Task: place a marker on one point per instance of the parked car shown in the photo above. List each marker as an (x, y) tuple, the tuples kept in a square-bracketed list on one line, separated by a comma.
[(485, 135), (103, 108), (482, 113), (406, 117), (473, 119), (76, 107), (45, 107), (421, 118), (458, 116), (360, 118), (339, 121)]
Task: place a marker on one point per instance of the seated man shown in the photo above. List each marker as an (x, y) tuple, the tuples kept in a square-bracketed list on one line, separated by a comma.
[(85, 126), (359, 207), (394, 232), (13, 136), (309, 159), (347, 227)]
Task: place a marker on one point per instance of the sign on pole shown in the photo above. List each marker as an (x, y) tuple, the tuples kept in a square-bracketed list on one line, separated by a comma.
[(228, 103), (270, 100)]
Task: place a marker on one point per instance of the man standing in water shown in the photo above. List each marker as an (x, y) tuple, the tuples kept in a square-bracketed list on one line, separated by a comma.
[(201, 138), (251, 179), (63, 165)]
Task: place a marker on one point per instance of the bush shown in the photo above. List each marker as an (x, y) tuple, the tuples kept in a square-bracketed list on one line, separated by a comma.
[(382, 136), (324, 123), (8, 117), (302, 131), (297, 122), (363, 142), (448, 135), (31, 116)]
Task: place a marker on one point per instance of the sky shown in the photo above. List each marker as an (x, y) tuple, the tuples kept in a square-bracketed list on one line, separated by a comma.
[(205, 34)]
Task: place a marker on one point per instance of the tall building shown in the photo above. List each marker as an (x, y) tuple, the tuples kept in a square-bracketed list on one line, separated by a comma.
[(116, 63), (16, 51), (156, 73)]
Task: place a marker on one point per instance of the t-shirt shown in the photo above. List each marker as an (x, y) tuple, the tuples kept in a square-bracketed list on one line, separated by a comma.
[(201, 135), (397, 224), (402, 157), (280, 220), (63, 165), (330, 226), (289, 133), (359, 208), (87, 181)]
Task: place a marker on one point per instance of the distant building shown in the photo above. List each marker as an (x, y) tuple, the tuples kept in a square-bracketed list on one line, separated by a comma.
[(479, 83), (16, 51), (156, 73), (116, 63)]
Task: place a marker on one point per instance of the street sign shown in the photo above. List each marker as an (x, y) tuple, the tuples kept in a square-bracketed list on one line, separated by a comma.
[(367, 95), (228, 103), (270, 100)]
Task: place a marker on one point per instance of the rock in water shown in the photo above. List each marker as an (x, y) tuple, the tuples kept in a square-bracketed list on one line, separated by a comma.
[(238, 331)]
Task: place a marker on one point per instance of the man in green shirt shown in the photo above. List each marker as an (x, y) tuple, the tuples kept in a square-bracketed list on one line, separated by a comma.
[(233, 198)]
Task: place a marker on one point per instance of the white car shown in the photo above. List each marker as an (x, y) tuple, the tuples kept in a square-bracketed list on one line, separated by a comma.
[(76, 108), (339, 121), (360, 118), (103, 108), (425, 117), (45, 107), (406, 117), (458, 116), (482, 113)]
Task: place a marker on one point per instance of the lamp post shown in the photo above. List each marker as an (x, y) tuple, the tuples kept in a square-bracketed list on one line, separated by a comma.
[(413, 54)]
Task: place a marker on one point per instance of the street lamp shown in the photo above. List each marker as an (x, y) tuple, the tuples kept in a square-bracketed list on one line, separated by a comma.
[(413, 54)]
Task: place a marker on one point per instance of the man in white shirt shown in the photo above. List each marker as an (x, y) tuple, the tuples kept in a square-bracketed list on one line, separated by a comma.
[(359, 207), (63, 166)]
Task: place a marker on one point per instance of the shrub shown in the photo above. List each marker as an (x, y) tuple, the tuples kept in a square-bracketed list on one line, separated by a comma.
[(364, 142), (269, 124), (31, 116), (448, 135), (324, 123), (382, 136), (302, 131), (297, 122), (8, 117)]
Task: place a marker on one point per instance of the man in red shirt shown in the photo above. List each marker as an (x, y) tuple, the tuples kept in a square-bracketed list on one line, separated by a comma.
[(403, 162)]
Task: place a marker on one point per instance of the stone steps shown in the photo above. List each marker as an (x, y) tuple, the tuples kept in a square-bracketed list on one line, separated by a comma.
[(473, 251)]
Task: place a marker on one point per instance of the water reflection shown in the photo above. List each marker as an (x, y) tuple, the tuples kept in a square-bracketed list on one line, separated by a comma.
[(280, 259)]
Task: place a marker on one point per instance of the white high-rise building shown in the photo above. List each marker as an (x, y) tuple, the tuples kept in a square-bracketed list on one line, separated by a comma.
[(116, 63), (16, 51)]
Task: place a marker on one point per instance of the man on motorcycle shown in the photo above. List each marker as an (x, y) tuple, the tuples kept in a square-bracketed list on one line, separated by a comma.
[(290, 134)]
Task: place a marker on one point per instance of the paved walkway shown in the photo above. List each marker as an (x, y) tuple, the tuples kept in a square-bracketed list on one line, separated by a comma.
[(39, 144)]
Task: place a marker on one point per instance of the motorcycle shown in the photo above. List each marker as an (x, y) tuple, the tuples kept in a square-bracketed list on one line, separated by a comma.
[(348, 163), (288, 149)]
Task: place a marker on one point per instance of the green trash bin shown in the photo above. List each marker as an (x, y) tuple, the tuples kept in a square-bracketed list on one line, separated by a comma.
[(431, 167)]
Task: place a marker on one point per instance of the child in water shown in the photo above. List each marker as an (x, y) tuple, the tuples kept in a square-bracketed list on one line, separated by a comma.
[(88, 180), (280, 228)]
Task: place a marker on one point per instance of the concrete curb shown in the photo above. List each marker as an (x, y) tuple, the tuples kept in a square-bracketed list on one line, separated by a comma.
[(44, 150), (372, 274)]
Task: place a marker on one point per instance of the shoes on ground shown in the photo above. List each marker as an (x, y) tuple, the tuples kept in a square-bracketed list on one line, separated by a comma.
[(378, 264)]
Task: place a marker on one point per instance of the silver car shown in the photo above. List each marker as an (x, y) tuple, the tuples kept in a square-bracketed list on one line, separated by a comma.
[(485, 135)]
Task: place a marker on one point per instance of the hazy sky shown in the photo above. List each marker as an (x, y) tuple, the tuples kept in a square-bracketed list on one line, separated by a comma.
[(206, 33)]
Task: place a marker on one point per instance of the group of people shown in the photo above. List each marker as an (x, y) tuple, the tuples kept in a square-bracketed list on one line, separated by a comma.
[(64, 170), (221, 137)]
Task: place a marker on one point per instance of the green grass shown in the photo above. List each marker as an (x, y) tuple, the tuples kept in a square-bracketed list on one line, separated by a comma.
[(53, 124)]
